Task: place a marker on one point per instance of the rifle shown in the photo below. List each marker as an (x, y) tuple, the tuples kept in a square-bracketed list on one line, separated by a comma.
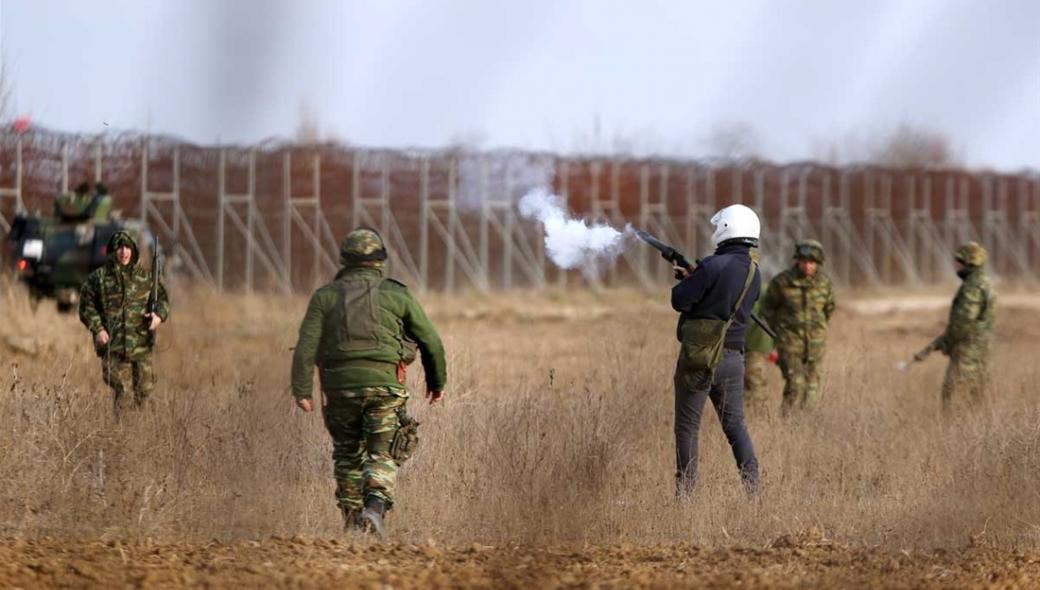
[(153, 291), (921, 355), (676, 258)]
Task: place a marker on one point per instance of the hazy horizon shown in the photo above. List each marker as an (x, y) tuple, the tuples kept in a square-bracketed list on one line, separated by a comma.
[(803, 80)]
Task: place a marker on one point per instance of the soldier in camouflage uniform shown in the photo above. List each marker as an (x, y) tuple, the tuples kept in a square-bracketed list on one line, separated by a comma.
[(798, 305), (361, 330), (969, 330), (757, 348), (114, 307)]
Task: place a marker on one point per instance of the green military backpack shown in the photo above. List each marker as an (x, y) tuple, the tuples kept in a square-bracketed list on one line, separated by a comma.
[(703, 339)]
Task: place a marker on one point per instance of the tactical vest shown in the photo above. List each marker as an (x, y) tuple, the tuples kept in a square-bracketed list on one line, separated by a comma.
[(360, 323)]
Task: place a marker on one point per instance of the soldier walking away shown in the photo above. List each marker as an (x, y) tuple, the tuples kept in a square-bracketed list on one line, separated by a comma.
[(798, 305), (969, 331), (362, 330), (715, 302), (123, 303)]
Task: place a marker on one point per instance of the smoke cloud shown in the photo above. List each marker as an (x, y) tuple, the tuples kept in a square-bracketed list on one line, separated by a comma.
[(569, 242)]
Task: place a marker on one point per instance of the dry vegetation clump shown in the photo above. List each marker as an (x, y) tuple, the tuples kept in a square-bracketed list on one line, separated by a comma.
[(557, 429)]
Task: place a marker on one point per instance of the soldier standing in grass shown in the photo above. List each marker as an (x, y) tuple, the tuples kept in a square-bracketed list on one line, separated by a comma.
[(715, 301), (361, 330), (969, 331), (114, 305), (798, 305), (758, 347)]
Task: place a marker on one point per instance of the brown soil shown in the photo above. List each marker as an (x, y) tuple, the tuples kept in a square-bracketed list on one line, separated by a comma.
[(790, 562)]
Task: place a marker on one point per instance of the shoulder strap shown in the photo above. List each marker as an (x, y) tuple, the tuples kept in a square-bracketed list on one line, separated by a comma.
[(747, 287), (103, 272)]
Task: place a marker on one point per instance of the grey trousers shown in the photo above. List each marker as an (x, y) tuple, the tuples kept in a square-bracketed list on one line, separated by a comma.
[(725, 387)]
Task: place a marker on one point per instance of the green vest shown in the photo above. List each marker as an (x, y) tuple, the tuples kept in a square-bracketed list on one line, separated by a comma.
[(358, 329), (360, 324)]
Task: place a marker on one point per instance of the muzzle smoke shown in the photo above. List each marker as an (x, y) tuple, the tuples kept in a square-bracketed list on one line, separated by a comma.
[(569, 242)]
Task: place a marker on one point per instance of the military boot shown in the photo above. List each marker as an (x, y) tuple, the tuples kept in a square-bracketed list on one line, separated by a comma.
[(371, 518)]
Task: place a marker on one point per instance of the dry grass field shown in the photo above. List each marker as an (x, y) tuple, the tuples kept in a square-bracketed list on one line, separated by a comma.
[(550, 464)]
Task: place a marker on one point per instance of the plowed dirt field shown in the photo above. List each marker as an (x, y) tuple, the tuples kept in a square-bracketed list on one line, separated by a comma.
[(325, 563)]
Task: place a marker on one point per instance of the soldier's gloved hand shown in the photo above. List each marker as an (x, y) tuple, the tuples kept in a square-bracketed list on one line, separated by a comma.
[(434, 396), (305, 404), (102, 338), (920, 356), (154, 319)]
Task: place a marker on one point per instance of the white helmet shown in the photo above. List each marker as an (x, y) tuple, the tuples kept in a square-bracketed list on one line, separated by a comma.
[(736, 222)]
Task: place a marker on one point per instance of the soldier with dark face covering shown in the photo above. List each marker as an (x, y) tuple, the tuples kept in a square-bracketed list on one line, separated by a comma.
[(969, 331)]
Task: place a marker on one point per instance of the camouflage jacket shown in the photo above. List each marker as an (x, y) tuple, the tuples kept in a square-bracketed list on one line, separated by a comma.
[(972, 315), (757, 340), (798, 309), (357, 331), (115, 298)]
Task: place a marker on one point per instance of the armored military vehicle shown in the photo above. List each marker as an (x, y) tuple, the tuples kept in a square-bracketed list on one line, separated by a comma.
[(54, 254)]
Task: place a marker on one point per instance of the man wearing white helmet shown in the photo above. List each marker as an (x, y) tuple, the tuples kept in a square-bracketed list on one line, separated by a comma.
[(715, 302)]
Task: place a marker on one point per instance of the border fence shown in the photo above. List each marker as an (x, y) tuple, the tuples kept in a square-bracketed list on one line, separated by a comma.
[(270, 216)]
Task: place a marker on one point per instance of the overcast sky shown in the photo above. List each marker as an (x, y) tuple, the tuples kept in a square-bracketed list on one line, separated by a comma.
[(543, 74)]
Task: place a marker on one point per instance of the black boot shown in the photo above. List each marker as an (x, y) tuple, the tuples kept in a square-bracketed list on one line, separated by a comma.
[(371, 518)]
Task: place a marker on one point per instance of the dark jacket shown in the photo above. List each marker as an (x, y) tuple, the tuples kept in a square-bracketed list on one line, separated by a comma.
[(713, 288)]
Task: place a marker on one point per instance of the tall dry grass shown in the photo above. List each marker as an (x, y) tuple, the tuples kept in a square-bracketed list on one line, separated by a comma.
[(557, 427)]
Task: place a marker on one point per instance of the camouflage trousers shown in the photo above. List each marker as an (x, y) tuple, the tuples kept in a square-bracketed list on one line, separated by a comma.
[(756, 367), (362, 425), (965, 373), (131, 381), (803, 376)]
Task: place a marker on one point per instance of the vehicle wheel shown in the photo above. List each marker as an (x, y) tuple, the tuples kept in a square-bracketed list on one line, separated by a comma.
[(67, 300)]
